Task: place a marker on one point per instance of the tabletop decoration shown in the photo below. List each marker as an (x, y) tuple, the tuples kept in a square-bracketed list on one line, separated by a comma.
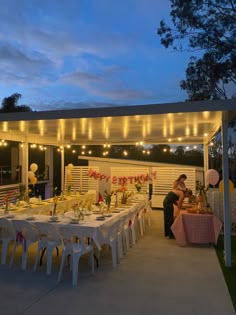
[(7, 202), (107, 197), (55, 200), (201, 192), (125, 193), (78, 211), (138, 185)]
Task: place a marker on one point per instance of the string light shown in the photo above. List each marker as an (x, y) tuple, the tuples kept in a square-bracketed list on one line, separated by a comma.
[(3, 143)]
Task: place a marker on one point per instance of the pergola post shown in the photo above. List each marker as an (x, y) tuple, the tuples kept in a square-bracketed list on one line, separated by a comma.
[(226, 198), (62, 168), (49, 161), (205, 159), (24, 162)]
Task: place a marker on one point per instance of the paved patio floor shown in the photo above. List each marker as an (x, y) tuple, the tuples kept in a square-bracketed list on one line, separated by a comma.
[(155, 277)]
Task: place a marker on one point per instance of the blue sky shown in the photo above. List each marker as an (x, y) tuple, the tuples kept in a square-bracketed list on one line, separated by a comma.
[(87, 53)]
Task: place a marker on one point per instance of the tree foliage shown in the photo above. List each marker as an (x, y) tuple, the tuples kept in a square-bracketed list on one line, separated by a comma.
[(208, 26), (9, 104)]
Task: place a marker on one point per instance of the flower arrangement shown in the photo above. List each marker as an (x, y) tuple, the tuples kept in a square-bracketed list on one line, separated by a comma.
[(201, 192), (107, 198), (125, 193), (55, 200), (6, 201), (78, 212)]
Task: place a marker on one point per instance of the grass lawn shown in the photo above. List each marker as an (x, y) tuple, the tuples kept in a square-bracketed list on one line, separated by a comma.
[(229, 273)]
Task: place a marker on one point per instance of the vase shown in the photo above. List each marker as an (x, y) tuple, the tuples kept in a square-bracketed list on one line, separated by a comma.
[(123, 199), (200, 198), (6, 210)]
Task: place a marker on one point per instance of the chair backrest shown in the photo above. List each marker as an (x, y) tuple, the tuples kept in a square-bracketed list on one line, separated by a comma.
[(48, 230), (34, 200), (6, 229), (110, 231), (68, 234), (26, 229)]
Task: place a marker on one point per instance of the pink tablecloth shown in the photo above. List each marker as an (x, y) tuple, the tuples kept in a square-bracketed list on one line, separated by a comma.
[(196, 228)]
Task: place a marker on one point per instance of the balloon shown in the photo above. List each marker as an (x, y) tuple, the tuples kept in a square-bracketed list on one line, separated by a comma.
[(212, 177), (30, 174), (69, 176), (33, 180), (70, 166), (68, 172), (33, 167), (221, 186)]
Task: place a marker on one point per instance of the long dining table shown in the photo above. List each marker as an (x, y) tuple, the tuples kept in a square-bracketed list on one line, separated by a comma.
[(95, 224)]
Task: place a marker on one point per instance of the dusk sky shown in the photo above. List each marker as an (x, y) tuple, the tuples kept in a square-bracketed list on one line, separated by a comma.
[(87, 53)]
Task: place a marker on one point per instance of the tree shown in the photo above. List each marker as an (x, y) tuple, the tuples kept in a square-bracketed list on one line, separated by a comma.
[(9, 104), (209, 27)]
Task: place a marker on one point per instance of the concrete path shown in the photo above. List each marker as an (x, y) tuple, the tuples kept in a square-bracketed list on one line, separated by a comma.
[(155, 277)]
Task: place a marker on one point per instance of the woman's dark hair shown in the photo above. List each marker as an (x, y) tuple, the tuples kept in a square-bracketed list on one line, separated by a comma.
[(181, 176)]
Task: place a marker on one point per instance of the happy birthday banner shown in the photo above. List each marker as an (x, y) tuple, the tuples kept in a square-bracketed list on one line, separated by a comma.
[(122, 180)]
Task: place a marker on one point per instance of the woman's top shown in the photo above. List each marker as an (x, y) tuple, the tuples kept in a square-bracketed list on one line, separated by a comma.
[(179, 185), (170, 199)]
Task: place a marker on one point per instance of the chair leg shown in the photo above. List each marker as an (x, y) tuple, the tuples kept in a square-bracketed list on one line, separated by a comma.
[(13, 254), (37, 258), (75, 269), (133, 234), (92, 261), (120, 245), (114, 253), (5, 244), (127, 240), (41, 257), (49, 260), (25, 248), (64, 255)]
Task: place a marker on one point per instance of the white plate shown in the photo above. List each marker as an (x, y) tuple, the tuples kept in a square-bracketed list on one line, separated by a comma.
[(30, 218), (9, 216), (74, 222)]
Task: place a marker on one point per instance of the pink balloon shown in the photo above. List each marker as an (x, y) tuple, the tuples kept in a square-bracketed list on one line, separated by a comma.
[(212, 177)]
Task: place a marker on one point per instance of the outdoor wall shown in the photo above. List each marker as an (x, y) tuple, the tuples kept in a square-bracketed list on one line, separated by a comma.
[(165, 174), (215, 199)]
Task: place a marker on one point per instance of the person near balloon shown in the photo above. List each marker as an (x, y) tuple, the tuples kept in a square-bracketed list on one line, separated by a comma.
[(174, 197), (179, 183)]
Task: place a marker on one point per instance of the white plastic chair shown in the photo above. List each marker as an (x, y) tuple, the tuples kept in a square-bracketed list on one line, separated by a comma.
[(139, 218), (75, 250), (132, 229), (7, 234), (49, 239), (122, 236), (111, 236), (25, 235), (147, 214), (126, 234)]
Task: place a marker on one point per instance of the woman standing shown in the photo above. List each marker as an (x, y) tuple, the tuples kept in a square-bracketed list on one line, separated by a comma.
[(179, 183), (174, 197)]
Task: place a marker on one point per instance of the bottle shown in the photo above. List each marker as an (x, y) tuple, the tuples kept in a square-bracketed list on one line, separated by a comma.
[(17, 202)]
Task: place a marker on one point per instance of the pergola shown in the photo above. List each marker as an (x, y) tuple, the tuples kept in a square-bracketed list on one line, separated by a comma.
[(172, 123)]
